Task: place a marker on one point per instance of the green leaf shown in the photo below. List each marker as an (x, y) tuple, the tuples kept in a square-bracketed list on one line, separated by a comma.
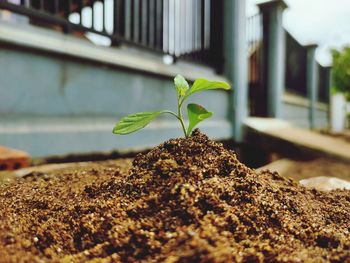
[(196, 114), (181, 85), (135, 122), (203, 84)]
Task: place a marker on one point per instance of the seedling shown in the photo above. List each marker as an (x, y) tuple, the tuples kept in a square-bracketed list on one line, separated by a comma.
[(196, 113)]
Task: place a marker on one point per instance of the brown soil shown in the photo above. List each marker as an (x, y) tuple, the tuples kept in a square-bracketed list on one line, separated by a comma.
[(187, 200)]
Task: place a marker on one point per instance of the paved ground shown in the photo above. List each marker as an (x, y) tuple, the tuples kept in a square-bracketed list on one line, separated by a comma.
[(323, 174), (281, 131)]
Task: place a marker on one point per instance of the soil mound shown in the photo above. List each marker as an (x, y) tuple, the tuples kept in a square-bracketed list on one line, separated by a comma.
[(187, 200)]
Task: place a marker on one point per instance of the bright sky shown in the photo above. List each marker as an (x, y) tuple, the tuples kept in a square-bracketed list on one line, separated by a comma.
[(324, 22)]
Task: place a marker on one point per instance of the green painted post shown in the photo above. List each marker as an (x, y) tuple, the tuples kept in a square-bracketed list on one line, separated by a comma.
[(274, 44), (329, 87), (236, 62), (312, 78)]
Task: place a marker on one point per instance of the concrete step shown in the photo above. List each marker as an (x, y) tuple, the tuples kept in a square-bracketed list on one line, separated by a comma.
[(281, 136), (322, 174)]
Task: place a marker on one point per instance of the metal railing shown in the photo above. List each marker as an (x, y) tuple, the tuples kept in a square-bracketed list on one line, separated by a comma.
[(254, 44), (296, 66), (323, 83), (296, 71), (189, 29)]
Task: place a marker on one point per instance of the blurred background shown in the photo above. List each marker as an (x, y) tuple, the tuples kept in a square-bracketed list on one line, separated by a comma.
[(70, 69)]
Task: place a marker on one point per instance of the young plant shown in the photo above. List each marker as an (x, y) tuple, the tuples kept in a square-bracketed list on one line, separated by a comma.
[(196, 113)]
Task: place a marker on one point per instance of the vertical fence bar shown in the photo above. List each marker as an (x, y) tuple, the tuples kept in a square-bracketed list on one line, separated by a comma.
[(115, 17), (68, 8), (56, 7), (202, 11), (207, 24), (312, 78), (194, 33), (254, 45), (159, 24), (174, 33), (151, 22), (202, 28), (66, 12), (103, 16), (183, 27), (189, 26), (132, 18), (171, 28), (80, 9), (127, 22), (144, 19), (92, 14), (177, 28), (216, 35), (198, 24), (136, 29), (118, 18), (166, 26)]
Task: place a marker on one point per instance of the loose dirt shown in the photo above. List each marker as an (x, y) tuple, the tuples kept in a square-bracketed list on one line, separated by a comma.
[(187, 200)]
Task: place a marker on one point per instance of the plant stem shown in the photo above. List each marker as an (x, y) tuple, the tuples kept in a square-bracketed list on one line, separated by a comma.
[(179, 113), (180, 101), (179, 117)]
